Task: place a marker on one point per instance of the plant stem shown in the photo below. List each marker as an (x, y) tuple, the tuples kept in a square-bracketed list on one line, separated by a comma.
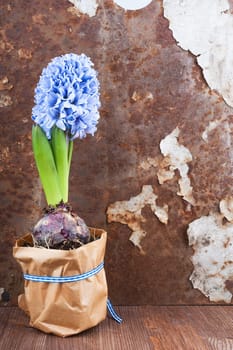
[(70, 152), (60, 152)]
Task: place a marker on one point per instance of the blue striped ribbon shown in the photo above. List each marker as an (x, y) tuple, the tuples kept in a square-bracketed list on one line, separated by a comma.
[(112, 312), (75, 278)]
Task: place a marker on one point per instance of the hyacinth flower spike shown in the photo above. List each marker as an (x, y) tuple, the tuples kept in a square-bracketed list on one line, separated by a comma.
[(66, 107)]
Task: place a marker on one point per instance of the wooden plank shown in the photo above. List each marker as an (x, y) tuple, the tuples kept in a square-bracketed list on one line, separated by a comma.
[(144, 328), (190, 327)]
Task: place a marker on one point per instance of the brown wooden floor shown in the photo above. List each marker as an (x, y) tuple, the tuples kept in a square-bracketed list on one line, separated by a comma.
[(144, 328)]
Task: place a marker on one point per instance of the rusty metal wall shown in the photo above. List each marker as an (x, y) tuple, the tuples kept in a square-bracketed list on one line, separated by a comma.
[(149, 87)]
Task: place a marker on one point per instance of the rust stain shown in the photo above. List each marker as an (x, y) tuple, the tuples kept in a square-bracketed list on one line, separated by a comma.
[(74, 11), (5, 44), (39, 19), (130, 213)]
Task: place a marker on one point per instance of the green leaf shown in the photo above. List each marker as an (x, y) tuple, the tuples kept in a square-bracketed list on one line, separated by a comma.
[(60, 147), (70, 152), (46, 166)]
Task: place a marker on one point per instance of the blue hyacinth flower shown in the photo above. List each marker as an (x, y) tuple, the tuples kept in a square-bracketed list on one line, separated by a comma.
[(67, 96)]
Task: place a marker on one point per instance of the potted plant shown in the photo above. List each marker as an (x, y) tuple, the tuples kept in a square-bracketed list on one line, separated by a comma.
[(65, 289)]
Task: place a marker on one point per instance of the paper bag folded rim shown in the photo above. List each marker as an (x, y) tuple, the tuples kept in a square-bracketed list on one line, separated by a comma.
[(63, 308)]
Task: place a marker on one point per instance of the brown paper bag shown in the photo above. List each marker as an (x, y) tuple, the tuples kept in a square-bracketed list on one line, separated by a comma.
[(63, 308)]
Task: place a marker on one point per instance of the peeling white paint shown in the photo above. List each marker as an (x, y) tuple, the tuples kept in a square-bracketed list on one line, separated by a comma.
[(25, 53), (206, 29), (226, 208), (5, 100), (4, 84), (136, 96), (87, 7), (211, 126), (130, 213), (149, 96), (132, 4), (176, 156), (213, 256)]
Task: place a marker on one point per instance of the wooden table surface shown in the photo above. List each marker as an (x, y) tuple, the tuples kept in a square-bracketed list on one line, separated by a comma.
[(143, 328)]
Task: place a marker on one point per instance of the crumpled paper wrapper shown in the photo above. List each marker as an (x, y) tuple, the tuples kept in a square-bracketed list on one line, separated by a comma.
[(67, 308)]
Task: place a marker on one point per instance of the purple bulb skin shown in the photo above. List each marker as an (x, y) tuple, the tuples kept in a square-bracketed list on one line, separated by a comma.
[(60, 227)]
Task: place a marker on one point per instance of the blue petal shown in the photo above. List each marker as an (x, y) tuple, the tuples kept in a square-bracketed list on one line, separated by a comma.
[(67, 95)]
